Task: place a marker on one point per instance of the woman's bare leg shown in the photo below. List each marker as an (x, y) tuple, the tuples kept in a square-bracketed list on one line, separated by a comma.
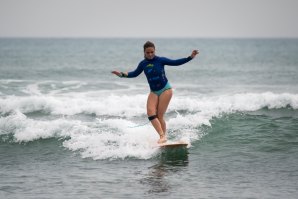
[(163, 102), (152, 104), (158, 106)]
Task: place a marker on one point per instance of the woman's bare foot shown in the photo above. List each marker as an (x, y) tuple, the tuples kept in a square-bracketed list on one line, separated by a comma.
[(162, 140)]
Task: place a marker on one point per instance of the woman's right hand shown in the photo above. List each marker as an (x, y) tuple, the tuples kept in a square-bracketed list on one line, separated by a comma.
[(119, 74), (116, 73)]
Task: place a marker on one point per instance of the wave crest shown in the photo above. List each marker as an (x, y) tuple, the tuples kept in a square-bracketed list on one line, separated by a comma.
[(110, 136)]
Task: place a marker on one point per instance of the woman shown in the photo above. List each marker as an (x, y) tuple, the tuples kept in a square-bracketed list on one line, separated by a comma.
[(161, 90)]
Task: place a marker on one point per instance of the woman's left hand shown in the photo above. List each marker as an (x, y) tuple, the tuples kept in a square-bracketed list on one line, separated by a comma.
[(194, 53)]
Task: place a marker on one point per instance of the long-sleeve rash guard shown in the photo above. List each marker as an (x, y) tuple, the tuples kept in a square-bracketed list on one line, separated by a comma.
[(155, 72)]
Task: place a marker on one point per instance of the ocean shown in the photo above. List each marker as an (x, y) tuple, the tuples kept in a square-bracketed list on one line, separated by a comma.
[(71, 129)]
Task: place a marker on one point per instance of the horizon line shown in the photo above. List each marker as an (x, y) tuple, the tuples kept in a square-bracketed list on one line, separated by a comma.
[(141, 37)]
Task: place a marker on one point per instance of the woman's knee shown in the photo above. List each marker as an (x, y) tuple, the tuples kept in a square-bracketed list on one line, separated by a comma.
[(151, 111), (160, 115)]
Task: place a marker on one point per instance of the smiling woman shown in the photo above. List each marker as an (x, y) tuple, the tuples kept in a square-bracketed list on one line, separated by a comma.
[(196, 18)]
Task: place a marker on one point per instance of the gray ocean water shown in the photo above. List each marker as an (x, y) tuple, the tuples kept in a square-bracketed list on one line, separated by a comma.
[(70, 129)]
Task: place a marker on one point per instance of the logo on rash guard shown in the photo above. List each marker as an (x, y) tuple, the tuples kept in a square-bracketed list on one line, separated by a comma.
[(150, 65)]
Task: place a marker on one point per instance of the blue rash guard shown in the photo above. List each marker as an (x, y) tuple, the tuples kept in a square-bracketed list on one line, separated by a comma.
[(155, 72)]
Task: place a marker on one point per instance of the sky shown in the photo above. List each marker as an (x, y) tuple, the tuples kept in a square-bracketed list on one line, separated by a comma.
[(149, 18)]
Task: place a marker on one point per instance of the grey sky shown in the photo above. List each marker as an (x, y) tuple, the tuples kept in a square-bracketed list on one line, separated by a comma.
[(154, 18)]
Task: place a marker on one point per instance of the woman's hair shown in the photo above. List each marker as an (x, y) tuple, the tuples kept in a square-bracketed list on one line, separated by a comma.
[(148, 44)]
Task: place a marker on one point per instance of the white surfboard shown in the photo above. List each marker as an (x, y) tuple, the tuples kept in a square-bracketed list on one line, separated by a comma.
[(173, 144)]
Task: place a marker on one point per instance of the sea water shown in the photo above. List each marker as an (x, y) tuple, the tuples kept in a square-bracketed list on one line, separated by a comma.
[(71, 129)]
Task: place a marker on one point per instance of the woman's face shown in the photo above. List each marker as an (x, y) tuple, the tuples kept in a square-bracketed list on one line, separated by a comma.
[(149, 53)]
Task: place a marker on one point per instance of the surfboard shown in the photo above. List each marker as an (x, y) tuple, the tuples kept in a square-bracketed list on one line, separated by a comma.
[(173, 144)]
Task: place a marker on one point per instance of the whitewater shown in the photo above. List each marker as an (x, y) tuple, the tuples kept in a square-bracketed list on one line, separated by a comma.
[(105, 126)]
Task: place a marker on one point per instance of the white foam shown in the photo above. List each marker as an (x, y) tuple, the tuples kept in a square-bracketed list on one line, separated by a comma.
[(201, 111), (121, 143), (75, 104), (110, 137), (25, 129), (32, 89), (98, 140), (129, 106), (8, 81)]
